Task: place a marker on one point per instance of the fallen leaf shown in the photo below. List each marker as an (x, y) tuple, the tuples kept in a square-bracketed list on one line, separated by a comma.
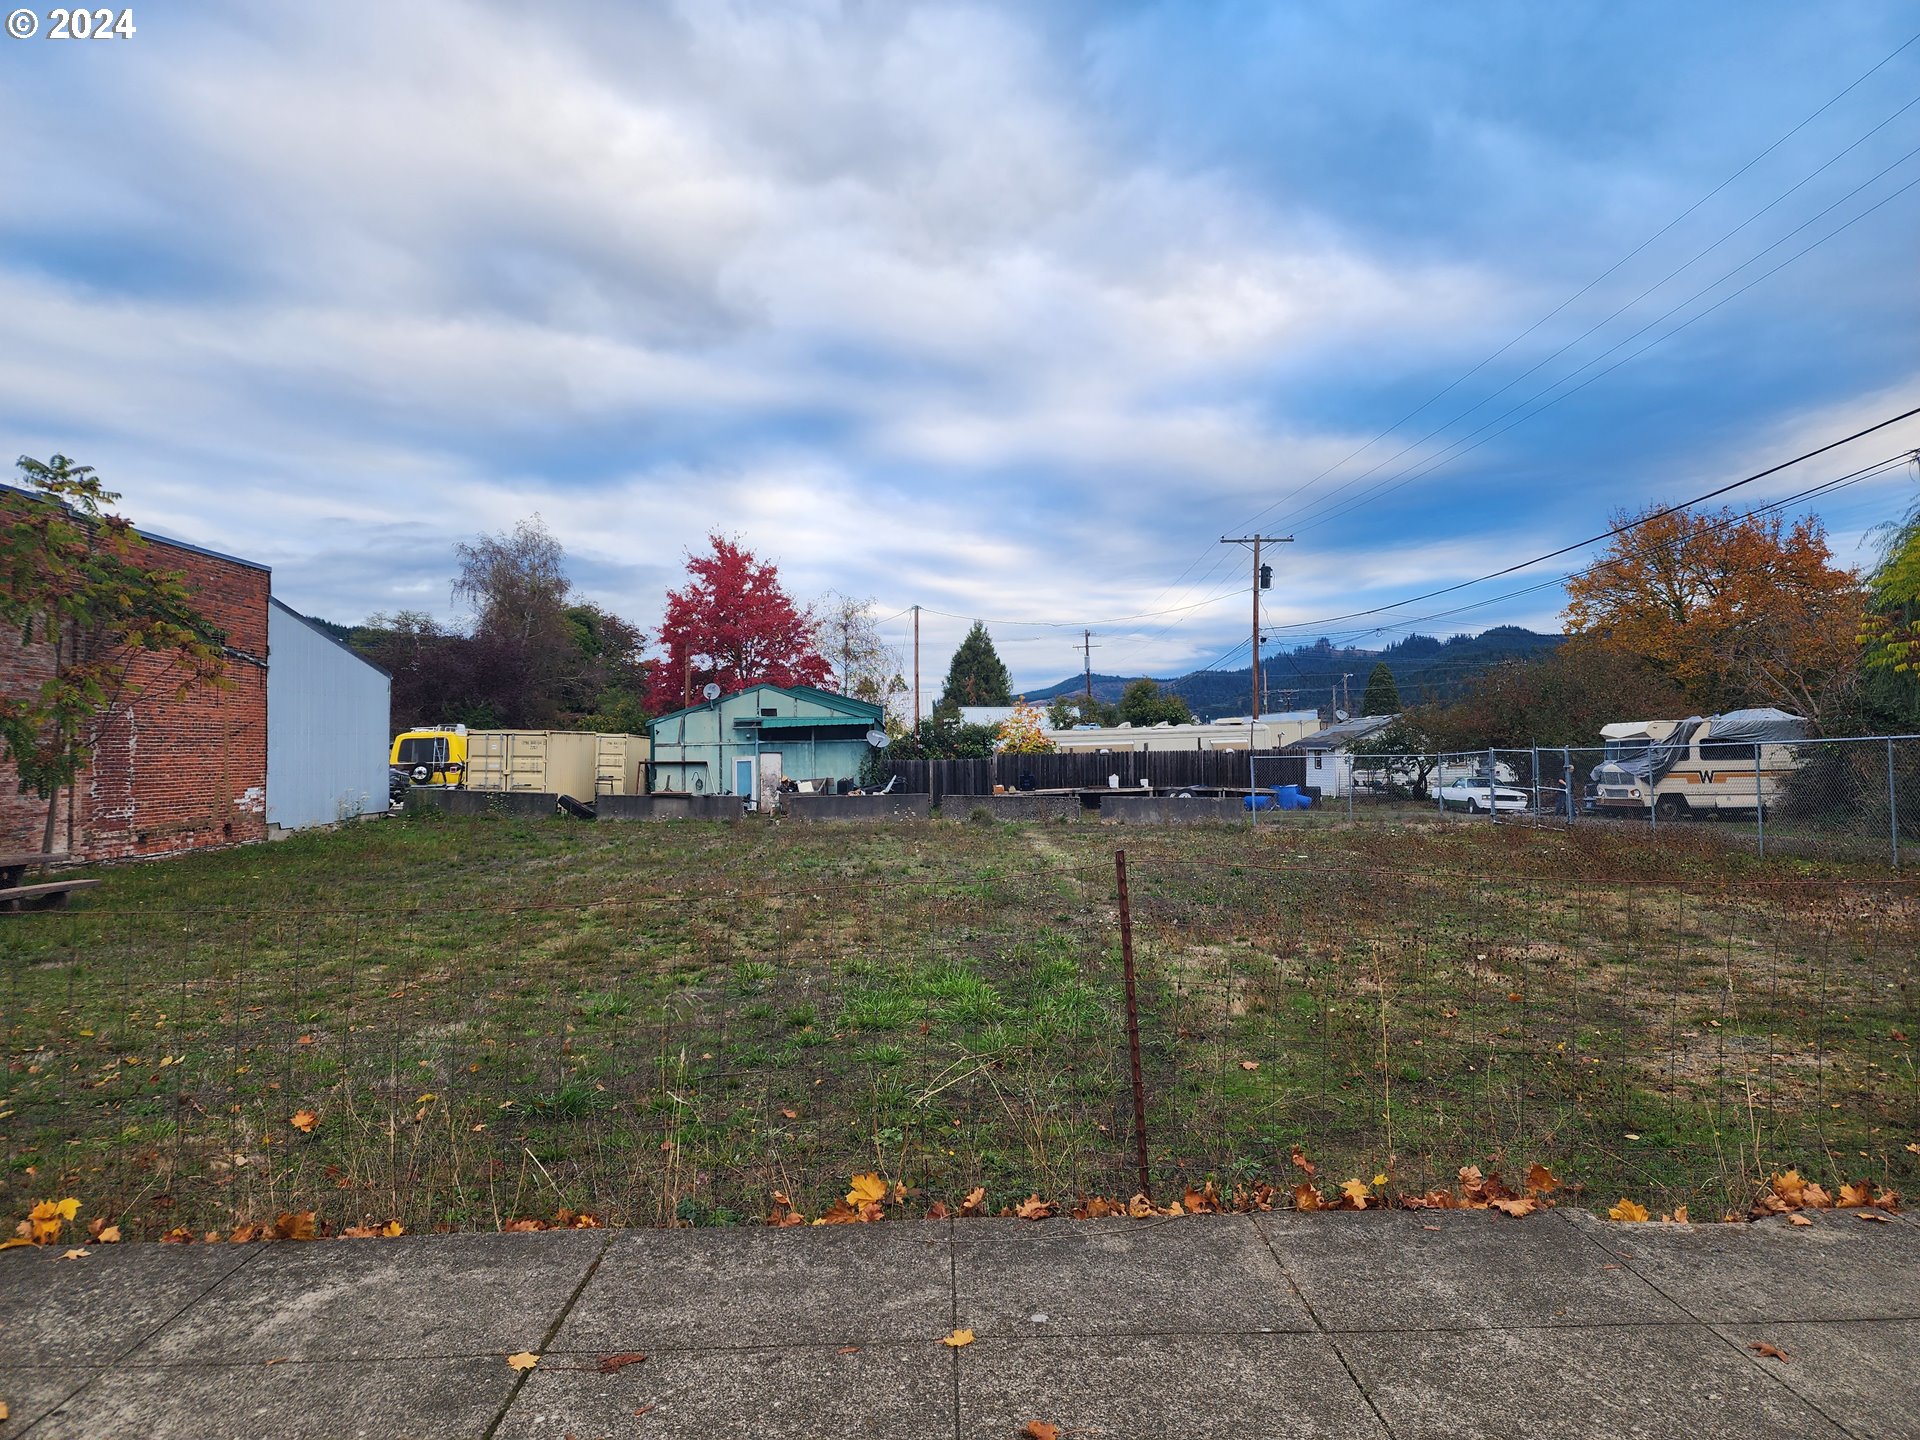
[(866, 1190), (614, 1364), (1542, 1181), (1856, 1194), (958, 1338), (300, 1225), (1874, 1215), (1517, 1208), (1039, 1430), (1300, 1159), (1353, 1194), (848, 1350), (1244, 1065), (76, 1254), (1798, 1219), (1033, 1208), (1771, 1352), (975, 1203), (525, 1360), (277, 1360), (304, 1121), (109, 1235), (791, 1114), (1629, 1210)]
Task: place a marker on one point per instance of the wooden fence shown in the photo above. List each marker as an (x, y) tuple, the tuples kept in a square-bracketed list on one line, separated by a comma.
[(1161, 769)]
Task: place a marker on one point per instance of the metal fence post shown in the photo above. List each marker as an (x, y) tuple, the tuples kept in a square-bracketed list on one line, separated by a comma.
[(1349, 760), (1566, 778), (1439, 784), (1759, 803), (1493, 790), (1893, 809), (1133, 1027)]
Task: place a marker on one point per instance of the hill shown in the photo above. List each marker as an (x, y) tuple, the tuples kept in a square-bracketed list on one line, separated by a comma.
[(1304, 678)]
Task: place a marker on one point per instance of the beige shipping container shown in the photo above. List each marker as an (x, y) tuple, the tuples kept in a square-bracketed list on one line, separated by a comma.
[(621, 764), (543, 762)]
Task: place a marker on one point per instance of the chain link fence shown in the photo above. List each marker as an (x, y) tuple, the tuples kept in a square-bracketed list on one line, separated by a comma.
[(1845, 799)]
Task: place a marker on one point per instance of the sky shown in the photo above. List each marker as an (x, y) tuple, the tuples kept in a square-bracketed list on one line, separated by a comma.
[(1008, 311)]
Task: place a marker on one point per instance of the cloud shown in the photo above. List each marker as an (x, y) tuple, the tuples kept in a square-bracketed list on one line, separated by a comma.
[(1010, 312)]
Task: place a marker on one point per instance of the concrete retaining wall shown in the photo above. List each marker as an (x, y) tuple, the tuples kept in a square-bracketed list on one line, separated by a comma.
[(1170, 810), (672, 807), (822, 808)]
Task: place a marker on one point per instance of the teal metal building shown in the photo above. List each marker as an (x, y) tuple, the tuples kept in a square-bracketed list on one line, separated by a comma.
[(767, 731)]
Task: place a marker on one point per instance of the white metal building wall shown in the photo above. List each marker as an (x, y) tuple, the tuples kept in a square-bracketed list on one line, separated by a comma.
[(326, 726)]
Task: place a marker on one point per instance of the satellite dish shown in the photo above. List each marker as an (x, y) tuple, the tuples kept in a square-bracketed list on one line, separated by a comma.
[(710, 690), (1339, 715), (877, 739)]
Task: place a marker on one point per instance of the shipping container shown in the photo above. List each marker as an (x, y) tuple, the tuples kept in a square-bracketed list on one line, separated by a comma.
[(621, 764), (545, 762)]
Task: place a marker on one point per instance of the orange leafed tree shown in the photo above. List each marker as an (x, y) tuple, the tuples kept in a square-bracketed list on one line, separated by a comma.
[(1025, 731), (1736, 611)]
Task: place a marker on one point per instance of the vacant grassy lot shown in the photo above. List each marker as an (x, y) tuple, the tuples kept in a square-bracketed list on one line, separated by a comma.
[(493, 1018)]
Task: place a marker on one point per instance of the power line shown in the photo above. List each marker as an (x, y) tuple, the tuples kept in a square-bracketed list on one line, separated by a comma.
[(1440, 394)]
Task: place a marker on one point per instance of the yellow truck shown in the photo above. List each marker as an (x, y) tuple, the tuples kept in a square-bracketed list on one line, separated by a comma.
[(430, 757)]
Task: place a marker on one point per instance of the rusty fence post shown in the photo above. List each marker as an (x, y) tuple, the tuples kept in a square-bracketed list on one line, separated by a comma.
[(1133, 1028)]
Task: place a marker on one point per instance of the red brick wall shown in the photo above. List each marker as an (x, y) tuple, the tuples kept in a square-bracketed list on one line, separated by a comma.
[(169, 774)]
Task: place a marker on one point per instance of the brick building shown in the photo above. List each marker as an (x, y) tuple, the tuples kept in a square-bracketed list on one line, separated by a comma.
[(169, 773)]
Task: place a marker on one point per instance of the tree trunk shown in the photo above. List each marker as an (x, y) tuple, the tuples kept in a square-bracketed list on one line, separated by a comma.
[(46, 837)]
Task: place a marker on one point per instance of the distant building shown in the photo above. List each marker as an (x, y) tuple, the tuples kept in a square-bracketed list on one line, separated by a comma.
[(1270, 732), (327, 712), (1328, 769), (745, 744)]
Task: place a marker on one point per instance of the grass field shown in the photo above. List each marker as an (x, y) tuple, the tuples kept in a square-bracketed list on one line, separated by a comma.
[(493, 1018)]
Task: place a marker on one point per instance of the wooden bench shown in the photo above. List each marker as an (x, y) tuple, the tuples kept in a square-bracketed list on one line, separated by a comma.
[(51, 895), (13, 868)]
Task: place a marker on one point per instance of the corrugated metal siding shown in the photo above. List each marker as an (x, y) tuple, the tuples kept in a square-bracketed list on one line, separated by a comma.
[(326, 727)]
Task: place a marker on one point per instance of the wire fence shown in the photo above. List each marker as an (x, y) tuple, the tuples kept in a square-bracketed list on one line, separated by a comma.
[(679, 1057), (1853, 799)]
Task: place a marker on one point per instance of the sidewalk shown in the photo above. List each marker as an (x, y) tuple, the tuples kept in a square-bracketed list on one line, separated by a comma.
[(1408, 1324)]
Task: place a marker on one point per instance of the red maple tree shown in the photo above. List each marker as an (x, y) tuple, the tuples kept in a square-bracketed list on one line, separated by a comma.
[(734, 625)]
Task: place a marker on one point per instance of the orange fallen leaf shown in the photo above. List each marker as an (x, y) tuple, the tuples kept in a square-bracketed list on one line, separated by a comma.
[(76, 1254), (791, 1114), (1299, 1158), (1305, 1197), (1353, 1194), (866, 1190), (1244, 1065), (975, 1203), (848, 1350), (1771, 1352), (1039, 1430), (1873, 1215), (1033, 1208), (614, 1364), (304, 1121), (958, 1338), (300, 1225), (109, 1235), (1542, 1181), (1798, 1219), (525, 1360), (1517, 1208), (1628, 1210), (1855, 1194)]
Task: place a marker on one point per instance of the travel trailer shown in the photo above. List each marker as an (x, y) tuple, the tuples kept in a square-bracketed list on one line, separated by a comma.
[(1699, 767)]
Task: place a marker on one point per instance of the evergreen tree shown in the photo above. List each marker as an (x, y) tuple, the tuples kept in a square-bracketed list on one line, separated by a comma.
[(1145, 703), (976, 676), (1382, 696)]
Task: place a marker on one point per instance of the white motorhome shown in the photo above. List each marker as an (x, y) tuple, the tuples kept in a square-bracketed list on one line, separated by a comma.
[(1697, 767)]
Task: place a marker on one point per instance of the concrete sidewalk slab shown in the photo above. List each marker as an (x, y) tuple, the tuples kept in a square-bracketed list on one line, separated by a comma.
[(418, 1296), (1837, 1268), (368, 1400), (1660, 1382), (1456, 1269), (1163, 1387), (97, 1308), (1119, 1277), (32, 1390), (754, 1286), (891, 1391), (1860, 1373)]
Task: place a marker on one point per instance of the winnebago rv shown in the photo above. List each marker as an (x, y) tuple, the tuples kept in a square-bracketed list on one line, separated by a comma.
[(1699, 767)]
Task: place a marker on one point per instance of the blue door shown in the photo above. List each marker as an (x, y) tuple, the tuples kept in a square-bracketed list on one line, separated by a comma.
[(743, 778)]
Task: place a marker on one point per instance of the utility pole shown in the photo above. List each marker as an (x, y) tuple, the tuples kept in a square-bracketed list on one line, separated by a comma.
[(1346, 693), (1262, 578), (1086, 654), (916, 669)]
